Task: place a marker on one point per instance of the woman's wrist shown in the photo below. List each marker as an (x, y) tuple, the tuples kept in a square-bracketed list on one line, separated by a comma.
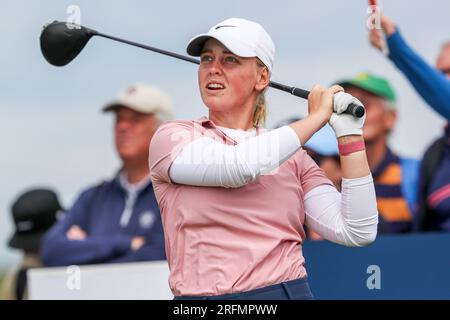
[(350, 144), (353, 157), (318, 119), (350, 138)]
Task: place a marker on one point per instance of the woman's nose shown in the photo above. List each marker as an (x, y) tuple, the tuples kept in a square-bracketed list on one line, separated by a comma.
[(215, 67)]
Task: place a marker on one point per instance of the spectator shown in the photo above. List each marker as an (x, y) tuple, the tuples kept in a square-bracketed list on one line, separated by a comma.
[(433, 84), (395, 177), (34, 212), (118, 220)]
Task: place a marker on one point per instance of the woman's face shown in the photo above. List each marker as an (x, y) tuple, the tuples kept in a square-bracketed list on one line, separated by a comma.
[(228, 82)]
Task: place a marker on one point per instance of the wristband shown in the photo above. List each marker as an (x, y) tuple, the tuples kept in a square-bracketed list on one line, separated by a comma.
[(351, 147)]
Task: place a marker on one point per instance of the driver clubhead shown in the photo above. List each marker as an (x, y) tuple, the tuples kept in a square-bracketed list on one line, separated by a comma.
[(61, 42)]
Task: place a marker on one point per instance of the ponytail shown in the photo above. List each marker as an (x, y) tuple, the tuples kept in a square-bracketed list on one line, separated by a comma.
[(260, 113)]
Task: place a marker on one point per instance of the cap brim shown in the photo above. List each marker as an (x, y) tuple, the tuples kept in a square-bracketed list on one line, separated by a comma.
[(195, 45), (113, 106), (110, 107), (363, 86), (351, 83), (30, 242), (344, 83)]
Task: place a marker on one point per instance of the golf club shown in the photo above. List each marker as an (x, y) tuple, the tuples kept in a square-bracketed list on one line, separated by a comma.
[(61, 42)]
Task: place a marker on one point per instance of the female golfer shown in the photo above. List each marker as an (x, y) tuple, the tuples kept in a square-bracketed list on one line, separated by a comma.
[(234, 197)]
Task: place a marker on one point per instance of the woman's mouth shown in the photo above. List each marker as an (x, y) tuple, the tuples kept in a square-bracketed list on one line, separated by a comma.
[(215, 86)]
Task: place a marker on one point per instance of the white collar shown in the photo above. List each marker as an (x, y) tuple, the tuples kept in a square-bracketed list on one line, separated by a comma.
[(133, 187), (238, 134)]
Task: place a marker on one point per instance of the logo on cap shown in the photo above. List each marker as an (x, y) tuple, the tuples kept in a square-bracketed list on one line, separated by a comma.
[(218, 27), (131, 90), (26, 225)]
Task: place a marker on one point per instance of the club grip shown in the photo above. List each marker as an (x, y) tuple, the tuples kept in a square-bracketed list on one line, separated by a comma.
[(356, 110), (300, 92)]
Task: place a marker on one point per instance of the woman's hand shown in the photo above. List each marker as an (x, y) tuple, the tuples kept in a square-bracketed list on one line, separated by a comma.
[(345, 124), (320, 103), (320, 109)]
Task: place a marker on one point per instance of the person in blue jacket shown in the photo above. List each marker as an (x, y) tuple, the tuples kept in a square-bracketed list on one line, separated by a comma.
[(433, 85), (117, 220)]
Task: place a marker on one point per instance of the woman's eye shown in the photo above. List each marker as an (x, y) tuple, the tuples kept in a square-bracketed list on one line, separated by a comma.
[(205, 58), (231, 59)]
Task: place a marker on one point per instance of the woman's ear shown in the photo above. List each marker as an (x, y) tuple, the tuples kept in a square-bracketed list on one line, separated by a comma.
[(263, 79)]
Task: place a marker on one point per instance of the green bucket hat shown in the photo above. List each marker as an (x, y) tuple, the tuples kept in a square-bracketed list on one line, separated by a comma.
[(374, 84)]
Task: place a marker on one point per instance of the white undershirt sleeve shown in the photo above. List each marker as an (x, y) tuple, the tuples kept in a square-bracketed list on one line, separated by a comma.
[(349, 218), (206, 162)]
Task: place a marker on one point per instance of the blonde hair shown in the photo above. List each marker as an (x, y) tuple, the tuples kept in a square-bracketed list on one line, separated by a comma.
[(260, 113)]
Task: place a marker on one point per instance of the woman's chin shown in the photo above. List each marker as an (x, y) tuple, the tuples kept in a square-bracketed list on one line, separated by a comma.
[(215, 104)]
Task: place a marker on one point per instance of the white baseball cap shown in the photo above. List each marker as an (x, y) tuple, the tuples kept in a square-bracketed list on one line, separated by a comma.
[(242, 37), (145, 99)]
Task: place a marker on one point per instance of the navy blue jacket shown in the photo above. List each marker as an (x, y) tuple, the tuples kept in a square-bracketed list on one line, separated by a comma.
[(432, 85), (98, 211)]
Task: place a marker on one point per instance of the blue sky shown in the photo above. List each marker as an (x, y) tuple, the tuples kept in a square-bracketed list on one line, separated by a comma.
[(52, 131)]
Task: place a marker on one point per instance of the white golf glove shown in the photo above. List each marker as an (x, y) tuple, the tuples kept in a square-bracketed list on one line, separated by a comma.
[(345, 124)]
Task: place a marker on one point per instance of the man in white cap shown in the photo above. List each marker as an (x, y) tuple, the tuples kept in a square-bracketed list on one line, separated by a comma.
[(118, 220)]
